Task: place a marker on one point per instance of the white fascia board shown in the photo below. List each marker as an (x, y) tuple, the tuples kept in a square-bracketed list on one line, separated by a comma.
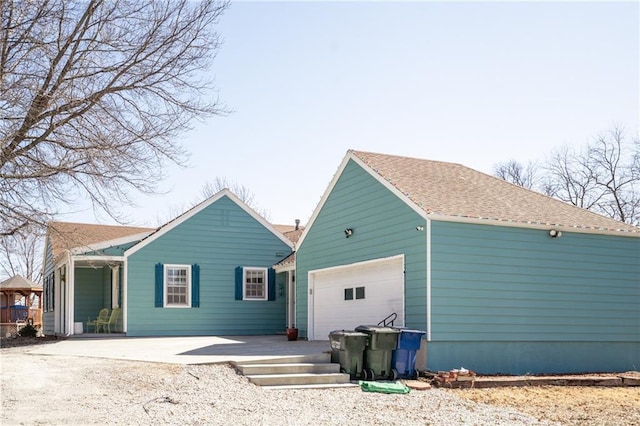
[(334, 181), (197, 209), (530, 225), (360, 264), (110, 243), (251, 212), (98, 258), (284, 268), (323, 200)]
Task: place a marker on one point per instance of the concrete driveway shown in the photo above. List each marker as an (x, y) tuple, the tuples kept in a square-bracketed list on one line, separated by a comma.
[(185, 350)]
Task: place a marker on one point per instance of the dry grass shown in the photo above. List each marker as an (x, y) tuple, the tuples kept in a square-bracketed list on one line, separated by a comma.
[(567, 405)]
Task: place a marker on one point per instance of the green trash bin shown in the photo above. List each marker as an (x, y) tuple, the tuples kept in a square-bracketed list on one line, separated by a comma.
[(347, 349), (379, 352)]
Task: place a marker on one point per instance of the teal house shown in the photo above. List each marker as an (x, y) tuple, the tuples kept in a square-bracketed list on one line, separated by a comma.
[(206, 272), (501, 278)]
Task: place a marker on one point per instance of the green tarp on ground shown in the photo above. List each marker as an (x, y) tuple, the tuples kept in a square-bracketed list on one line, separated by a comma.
[(383, 387)]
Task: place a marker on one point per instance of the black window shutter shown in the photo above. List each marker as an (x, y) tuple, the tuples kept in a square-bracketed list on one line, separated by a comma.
[(159, 285), (195, 286), (272, 284), (239, 283)]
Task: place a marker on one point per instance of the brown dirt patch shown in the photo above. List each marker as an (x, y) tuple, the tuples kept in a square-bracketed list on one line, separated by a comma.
[(13, 342), (567, 405)]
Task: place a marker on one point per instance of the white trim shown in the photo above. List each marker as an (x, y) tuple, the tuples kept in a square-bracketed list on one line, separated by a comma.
[(284, 268), (265, 271), (125, 305), (434, 216), (291, 298), (98, 258), (428, 260), (71, 272), (323, 199), (362, 263), (537, 226), (197, 209), (62, 297), (165, 304), (351, 156), (311, 275), (110, 243), (115, 286), (311, 282), (419, 210)]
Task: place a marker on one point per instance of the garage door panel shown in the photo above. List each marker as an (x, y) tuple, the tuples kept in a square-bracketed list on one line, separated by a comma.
[(383, 284)]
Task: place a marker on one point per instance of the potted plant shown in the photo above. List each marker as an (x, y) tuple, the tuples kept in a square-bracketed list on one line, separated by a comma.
[(292, 333)]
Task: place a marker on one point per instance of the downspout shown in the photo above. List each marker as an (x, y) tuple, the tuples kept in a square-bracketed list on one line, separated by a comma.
[(428, 237)]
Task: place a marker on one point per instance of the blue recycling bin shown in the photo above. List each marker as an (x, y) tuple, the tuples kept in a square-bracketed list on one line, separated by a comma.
[(404, 357)]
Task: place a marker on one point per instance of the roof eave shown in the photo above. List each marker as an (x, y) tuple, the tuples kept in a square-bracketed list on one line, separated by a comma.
[(533, 225)]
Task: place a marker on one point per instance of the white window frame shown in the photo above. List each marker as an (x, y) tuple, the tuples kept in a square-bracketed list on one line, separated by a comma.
[(166, 286), (265, 273)]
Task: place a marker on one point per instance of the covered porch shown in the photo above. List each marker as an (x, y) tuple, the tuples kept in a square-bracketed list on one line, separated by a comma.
[(91, 285)]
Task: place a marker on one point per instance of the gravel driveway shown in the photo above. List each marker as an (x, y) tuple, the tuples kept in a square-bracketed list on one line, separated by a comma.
[(65, 390)]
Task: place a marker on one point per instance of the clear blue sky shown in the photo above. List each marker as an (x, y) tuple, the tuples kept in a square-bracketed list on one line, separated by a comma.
[(472, 83)]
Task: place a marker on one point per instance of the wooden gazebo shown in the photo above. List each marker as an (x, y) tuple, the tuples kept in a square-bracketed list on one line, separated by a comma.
[(20, 302)]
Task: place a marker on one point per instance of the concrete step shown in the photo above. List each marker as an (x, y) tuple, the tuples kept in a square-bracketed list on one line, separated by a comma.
[(298, 379), (324, 357), (288, 368), (316, 386)]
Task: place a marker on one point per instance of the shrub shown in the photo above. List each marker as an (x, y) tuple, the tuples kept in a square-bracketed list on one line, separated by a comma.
[(28, 331)]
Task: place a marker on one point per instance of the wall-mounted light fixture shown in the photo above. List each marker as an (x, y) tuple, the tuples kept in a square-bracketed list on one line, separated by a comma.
[(419, 228), (554, 233), (348, 232)]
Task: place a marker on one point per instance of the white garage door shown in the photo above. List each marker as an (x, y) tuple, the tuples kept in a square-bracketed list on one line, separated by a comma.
[(344, 297)]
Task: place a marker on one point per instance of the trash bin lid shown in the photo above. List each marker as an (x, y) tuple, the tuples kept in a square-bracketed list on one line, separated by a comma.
[(351, 333), (409, 330), (370, 329)]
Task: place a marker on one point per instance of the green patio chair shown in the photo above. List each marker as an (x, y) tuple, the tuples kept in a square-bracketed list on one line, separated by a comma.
[(103, 316), (111, 321)]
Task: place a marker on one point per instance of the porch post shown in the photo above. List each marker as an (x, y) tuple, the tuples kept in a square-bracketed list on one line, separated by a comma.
[(71, 298)]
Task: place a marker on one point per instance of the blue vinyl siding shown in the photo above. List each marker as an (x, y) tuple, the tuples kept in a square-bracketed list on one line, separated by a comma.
[(501, 295), (503, 299), (48, 317), (219, 238), (383, 226)]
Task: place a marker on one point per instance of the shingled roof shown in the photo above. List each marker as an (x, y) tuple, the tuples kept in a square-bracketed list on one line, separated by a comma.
[(68, 235), (18, 282), (450, 190)]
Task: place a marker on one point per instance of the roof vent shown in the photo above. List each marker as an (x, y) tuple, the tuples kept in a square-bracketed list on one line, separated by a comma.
[(297, 224)]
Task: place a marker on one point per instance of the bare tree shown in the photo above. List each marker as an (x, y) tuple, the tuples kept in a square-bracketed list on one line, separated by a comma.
[(603, 177), (92, 95), (238, 189), (518, 173), (21, 254), (209, 189)]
